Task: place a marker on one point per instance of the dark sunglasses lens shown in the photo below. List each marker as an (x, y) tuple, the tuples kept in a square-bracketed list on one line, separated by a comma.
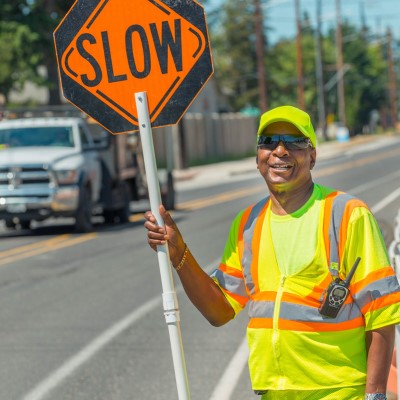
[(267, 143), (289, 141)]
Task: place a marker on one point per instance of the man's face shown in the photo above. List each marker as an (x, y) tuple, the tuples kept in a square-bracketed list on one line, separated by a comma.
[(283, 169)]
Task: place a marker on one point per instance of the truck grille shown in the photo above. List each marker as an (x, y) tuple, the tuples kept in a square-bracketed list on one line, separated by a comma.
[(24, 176)]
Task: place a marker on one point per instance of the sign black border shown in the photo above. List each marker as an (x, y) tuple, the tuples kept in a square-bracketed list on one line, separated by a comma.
[(101, 112)]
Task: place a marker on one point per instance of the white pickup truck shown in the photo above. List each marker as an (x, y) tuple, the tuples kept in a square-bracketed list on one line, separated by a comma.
[(58, 167)]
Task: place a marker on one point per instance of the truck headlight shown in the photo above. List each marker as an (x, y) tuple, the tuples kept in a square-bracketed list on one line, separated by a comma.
[(68, 176)]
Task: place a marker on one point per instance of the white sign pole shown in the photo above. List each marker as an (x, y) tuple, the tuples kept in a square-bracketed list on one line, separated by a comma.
[(170, 300)]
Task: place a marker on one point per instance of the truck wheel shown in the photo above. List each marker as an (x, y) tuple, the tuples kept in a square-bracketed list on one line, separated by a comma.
[(168, 197), (124, 212), (83, 217), (9, 223), (109, 216), (25, 224)]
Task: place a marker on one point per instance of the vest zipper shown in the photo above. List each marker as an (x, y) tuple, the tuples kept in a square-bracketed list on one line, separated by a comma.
[(275, 333), (277, 307)]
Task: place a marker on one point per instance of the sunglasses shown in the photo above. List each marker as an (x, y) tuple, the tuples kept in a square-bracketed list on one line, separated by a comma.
[(290, 142)]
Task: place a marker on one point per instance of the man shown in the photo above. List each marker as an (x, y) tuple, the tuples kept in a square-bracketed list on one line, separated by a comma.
[(281, 256)]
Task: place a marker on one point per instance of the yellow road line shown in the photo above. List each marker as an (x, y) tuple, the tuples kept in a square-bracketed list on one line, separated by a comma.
[(62, 241), (207, 201), (30, 247), (235, 194), (136, 217), (45, 247), (355, 164)]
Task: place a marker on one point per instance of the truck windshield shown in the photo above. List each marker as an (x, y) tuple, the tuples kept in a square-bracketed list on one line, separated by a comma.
[(54, 136)]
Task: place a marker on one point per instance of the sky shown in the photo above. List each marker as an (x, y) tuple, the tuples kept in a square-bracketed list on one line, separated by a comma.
[(279, 15)]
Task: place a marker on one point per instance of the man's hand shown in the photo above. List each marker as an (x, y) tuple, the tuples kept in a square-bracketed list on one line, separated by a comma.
[(200, 288), (158, 235)]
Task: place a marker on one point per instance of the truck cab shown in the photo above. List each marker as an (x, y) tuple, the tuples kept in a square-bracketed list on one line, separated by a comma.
[(45, 165), (69, 166)]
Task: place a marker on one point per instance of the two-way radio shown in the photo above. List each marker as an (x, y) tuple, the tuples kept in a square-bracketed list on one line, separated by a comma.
[(336, 294)]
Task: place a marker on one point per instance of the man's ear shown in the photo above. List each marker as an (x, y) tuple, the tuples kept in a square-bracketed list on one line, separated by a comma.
[(313, 158)]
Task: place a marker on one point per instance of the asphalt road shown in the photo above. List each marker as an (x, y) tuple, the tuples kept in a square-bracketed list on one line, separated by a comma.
[(81, 315)]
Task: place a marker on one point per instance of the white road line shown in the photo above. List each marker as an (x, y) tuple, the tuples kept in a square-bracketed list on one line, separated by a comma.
[(59, 375), (226, 385), (230, 378), (385, 201), (373, 183), (44, 388)]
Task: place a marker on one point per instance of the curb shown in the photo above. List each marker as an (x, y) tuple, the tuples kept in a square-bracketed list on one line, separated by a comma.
[(325, 151)]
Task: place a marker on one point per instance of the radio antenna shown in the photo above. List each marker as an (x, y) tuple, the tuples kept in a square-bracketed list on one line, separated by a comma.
[(351, 273)]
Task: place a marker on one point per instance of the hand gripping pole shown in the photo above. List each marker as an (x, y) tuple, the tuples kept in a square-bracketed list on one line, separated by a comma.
[(170, 301)]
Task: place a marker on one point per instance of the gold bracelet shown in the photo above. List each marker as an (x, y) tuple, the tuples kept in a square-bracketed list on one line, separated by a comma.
[(185, 252)]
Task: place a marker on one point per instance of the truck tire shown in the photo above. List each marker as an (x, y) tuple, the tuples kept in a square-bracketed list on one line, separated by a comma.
[(25, 224), (10, 224), (109, 216), (124, 212), (168, 196), (83, 217)]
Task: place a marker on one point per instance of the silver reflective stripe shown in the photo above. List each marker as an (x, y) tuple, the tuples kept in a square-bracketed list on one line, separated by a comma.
[(248, 232), (301, 313), (261, 309), (377, 289), (338, 207), (230, 283)]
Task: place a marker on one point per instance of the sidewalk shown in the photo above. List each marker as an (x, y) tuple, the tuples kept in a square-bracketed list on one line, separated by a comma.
[(228, 171)]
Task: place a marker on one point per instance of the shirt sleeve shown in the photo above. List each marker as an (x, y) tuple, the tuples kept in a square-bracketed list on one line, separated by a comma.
[(229, 275), (374, 287)]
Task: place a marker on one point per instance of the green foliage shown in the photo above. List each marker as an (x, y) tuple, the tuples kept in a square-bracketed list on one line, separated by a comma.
[(18, 60), (234, 54), (26, 42), (233, 43)]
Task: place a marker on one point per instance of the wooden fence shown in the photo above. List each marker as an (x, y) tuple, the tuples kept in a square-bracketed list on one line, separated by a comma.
[(203, 138)]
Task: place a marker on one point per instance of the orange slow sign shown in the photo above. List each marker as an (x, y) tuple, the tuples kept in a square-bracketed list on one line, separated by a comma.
[(125, 46)]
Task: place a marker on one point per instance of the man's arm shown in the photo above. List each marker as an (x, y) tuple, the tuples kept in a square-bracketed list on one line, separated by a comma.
[(380, 344), (202, 291)]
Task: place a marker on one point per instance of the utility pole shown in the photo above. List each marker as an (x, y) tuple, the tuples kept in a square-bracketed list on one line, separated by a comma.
[(339, 66), (319, 73), (299, 59), (392, 80), (262, 85)]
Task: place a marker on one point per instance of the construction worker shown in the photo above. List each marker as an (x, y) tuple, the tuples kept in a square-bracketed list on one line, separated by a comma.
[(311, 266)]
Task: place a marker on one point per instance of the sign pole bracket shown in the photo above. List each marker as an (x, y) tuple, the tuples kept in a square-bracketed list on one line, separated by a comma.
[(170, 300)]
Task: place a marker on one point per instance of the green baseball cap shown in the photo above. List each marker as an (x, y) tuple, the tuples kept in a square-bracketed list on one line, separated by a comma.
[(294, 116)]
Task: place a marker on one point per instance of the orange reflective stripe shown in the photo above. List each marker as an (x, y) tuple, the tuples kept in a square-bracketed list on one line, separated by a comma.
[(242, 300), (264, 296), (262, 323), (370, 278), (321, 326), (266, 323), (237, 273), (255, 248), (381, 302), (350, 206)]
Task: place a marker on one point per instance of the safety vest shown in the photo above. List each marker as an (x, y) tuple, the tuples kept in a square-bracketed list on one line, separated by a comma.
[(292, 346)]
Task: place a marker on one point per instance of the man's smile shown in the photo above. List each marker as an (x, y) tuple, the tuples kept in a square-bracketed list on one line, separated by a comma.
[(280, 166)]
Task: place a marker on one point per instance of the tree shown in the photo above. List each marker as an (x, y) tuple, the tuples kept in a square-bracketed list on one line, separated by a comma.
[(26, 43), (234, 54)]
